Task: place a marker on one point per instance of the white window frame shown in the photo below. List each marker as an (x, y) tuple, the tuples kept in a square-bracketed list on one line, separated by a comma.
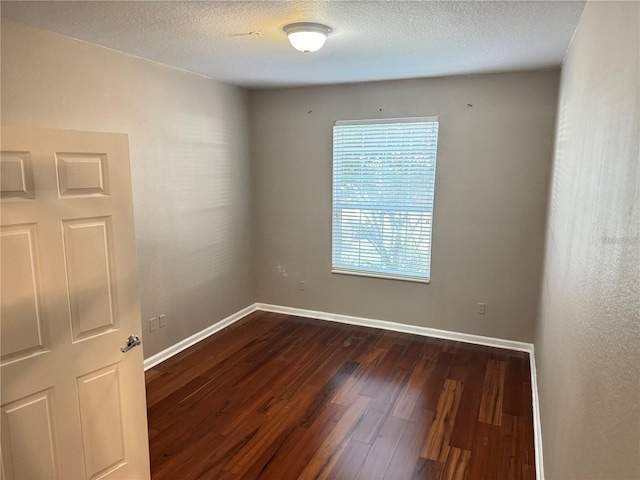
[(422, 278)]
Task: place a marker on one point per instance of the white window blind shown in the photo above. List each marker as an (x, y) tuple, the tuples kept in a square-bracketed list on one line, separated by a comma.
[(383, 187)]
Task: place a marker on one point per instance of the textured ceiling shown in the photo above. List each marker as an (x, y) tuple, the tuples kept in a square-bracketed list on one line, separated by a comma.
[(371, 40)]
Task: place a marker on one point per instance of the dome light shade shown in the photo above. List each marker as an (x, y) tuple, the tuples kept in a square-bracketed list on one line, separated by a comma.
[(307, 37)]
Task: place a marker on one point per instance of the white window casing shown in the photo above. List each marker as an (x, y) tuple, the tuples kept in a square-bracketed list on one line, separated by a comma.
[(383, 193)]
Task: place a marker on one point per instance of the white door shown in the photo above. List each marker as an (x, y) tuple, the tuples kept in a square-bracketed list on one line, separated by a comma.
[(73, 404)]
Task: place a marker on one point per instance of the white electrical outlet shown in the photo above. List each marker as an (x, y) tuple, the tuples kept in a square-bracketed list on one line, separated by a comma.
[(480, 309), (162, 320), (301, 285), (153, 324)]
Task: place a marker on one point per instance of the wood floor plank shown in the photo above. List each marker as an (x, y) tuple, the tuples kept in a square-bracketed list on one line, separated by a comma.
[(270, 465), (251, 398), (328, 391), (382, 450), (499, 354), (492, 393), (428, 399), (282, 397), (485, 456), (285, 419), (381, 407), (369, 339), (350, 461), (511, 464), (513, 404), (408, 450), (312, 358), (341, 353), (412, 354), (151, 374), (170, 464), (426, 469), (463, 432), (382, 371), (411, 392), (437, 444), (175, 404), (292, 454), (350, 390), (469, 360), (194, 427), (387, 340), (457, 465), (202, 360), (327, 455), (264, 321), (283, 382)]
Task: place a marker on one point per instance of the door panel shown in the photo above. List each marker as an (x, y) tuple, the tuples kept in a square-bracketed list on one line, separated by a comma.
[(82, 174), (16, 178), (101, 415), (21, 326), (29, 451), (87, 244), (69, 296)]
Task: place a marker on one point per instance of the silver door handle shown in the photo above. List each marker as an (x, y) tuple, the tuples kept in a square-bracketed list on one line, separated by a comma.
[(132, 341)]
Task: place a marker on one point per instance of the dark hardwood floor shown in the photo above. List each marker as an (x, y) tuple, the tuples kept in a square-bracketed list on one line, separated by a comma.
[(282, 397)]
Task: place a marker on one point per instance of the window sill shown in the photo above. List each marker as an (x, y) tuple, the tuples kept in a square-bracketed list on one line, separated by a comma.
[(381, 275)]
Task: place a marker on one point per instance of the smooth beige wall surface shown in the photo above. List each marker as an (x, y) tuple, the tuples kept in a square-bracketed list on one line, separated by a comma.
[(493, 166), (588, 336), (189, 147)]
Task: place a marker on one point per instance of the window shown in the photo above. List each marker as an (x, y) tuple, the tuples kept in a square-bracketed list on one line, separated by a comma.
[(383, 184)]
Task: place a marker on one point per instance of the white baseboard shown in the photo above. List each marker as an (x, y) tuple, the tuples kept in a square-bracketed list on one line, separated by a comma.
[(537, 425), (399, 327), (373, 323), (167, 353)]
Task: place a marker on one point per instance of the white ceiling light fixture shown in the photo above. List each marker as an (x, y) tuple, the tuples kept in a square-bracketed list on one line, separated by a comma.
[(306, 36)]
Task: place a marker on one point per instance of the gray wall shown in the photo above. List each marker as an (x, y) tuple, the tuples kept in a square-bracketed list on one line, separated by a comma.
[(494, 160), (588, 336), (189, 148)]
